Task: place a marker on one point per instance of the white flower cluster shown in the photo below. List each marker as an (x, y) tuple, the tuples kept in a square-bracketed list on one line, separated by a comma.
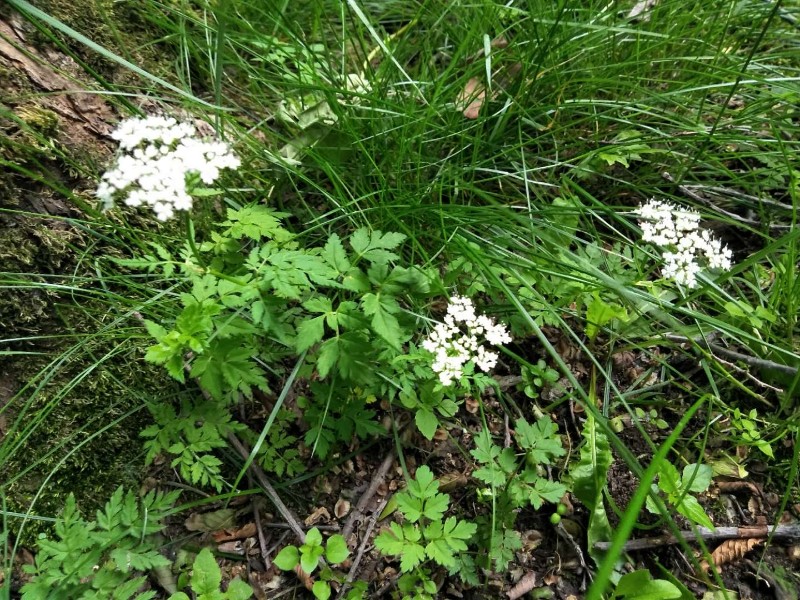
[(452, 348), (678, 232), (157, 153)]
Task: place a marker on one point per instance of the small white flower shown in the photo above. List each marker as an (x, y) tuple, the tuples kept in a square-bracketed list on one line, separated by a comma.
[(157, 154), (677, 231), (453, 347)]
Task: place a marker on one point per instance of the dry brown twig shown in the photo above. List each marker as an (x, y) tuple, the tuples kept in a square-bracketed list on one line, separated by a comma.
[(362, 548)]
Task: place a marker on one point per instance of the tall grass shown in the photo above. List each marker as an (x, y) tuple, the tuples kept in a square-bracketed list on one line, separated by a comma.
[(694, 102)]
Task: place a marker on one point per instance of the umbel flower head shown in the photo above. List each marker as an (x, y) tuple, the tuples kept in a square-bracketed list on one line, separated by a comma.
[(156, 156), (677, 231), (453, 347)]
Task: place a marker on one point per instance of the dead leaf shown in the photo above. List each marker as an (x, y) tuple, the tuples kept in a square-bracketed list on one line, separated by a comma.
[(523, 586), (470, 100), (211, 521), (318, 514), (451, 481), (730, 551), (226, 535), (235, 547), (341, 508)]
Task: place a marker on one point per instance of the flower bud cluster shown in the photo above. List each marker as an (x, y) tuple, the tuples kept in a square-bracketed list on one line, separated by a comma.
[(677, 231), (453, 348), (156, 155)]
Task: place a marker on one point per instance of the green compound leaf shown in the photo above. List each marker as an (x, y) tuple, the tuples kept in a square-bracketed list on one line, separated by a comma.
[(540, 440), (375, 245), (403, 542)]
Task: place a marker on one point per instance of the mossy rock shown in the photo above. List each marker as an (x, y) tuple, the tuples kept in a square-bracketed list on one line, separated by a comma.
[(76, 446)]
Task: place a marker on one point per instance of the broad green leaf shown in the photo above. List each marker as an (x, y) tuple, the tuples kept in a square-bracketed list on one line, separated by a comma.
[(640, 586), (668, 478), (313, 537), (309, 557), (588, 480), (336, 550), (690, 508), (426, 421), (599, 313), (321, 590), (698, 475), (288, 558)]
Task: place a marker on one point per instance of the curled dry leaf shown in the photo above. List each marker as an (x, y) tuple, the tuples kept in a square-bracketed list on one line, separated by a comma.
[(318, 515), (471, 98), (341, 508), (729, 551), (226, 535), (452, 481), (523, 586)]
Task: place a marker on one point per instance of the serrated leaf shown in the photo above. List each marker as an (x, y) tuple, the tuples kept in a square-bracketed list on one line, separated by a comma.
[(391, 542), (335, 255), (540, 440), (375, 245), (328, 355), (206, 575), (546, 490), (599, 313), (239, 590), (380, 307), (309, 333)]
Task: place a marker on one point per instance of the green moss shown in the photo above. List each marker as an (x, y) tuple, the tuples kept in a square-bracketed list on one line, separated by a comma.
[(78, 402), (120, 27)]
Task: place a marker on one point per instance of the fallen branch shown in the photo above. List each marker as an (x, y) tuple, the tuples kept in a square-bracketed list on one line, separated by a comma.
[(263, 482), (780, 532), (752, 361), (351, 574), (360, 509)]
